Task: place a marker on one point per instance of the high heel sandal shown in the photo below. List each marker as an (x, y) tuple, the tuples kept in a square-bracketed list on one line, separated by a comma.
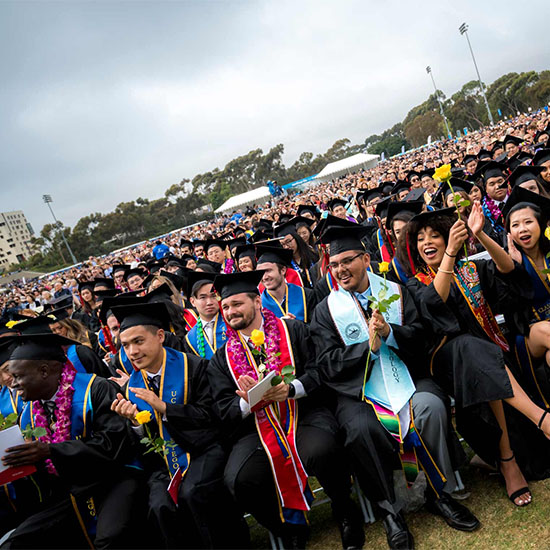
[(521, 491)]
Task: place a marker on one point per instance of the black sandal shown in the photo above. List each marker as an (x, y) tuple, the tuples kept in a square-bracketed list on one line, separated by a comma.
[(521, 491)]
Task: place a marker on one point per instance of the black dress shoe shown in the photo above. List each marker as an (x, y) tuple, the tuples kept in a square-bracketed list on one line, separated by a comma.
[(350, 523), (398, 534), (455, 514), (295, 537)]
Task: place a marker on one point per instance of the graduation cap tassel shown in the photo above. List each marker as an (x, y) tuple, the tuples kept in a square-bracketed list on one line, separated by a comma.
[(413, 270)]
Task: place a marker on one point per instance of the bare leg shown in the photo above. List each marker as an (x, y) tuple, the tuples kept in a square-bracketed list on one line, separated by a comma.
[(539, 339), (509, 468), (523, 404)]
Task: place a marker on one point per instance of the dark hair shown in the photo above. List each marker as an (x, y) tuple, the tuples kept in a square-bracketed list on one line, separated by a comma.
[(542, 220), (441, 224), (307, 255)]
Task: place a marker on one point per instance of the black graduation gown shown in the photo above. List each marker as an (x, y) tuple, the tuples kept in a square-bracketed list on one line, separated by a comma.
[(93, 466), (373, 450), (470, 367), (92, 362), (206, 515), (321, 453)]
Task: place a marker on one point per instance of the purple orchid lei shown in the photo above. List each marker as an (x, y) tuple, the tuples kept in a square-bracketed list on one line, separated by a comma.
[(63, 404), (493, 210), (241, 366), (229, 264)]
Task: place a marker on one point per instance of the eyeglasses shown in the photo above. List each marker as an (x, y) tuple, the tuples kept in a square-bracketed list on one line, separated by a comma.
[(345, 262)]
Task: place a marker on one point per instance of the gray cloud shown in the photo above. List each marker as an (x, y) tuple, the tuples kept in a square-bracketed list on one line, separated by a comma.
[(106, 101)]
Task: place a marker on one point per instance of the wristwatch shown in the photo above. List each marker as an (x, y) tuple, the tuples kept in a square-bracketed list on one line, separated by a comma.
[(291, 391)]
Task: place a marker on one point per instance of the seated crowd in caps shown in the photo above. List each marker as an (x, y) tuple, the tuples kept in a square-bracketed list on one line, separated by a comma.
[(167, 390)]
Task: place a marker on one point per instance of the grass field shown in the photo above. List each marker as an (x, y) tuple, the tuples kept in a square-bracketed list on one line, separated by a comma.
[(503, 526)]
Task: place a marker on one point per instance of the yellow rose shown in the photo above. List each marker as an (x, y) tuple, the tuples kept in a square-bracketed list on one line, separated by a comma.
[(257, 337), (547, 233), (142, 417), (443, 173), (383, 267)]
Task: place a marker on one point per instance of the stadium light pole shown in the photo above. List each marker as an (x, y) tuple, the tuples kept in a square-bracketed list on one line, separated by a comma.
[(48, 200), (464, 31), (429, 71)]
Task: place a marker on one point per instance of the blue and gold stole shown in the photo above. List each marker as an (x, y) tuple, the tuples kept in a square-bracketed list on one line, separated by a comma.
[(73, 357), (295, 302), (390, 387), (194, 336), (123, 363), (173, 389), (81, 407), (541, 312), (8, 403), (81, 420), (398, 270)]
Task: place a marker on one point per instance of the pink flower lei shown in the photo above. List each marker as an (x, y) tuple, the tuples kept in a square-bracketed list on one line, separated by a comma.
[(63, 405), (494, 210), (272, 338), (229, 264)]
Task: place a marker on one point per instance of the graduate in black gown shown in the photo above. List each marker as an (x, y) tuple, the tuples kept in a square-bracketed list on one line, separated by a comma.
[(470, 358), (82, 458), (342, 328), (274, 488), (172, 387)]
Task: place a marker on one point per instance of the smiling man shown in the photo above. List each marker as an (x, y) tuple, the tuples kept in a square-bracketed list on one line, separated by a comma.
[(81, 457), (264, 478), (286, 300), (389, 380), (172, 386)]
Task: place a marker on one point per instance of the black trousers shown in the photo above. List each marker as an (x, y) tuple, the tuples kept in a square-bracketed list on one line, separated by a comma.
[(57, 525), (206, 516), (249, 476)]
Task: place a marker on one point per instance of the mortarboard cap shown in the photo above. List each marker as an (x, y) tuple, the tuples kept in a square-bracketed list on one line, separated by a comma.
[(103, 282), (523, 174), (237, 283), (247, 250), (396, 208), (491, 169), (342, 239), (39, 347), (142, 313), (196, 280), (134, 271), (274, 254), (86, 284), (307, 208), (522, 195), (541, 156), (333, 203), (511, 139)]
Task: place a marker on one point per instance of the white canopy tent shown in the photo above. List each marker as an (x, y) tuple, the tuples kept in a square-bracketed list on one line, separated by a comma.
[(361, 161), (244, 199)]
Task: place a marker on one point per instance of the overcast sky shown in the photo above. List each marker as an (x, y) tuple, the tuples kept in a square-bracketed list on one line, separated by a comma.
[(102, 102)]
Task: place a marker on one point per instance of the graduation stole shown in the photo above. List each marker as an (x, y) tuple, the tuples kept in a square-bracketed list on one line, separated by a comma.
[(73, 357), (541, 284), (124, 362), (197, 334), (384, 252), (276, 425), (173, 389), (190, 318), (399, 271), (81, 407), (101, 341), (390, 387), (8, 403), (295, 302)]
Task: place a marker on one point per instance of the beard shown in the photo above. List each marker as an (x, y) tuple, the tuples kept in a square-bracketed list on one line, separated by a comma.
[(240, 322)]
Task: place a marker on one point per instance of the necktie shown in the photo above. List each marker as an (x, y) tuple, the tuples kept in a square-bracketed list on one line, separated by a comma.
[(49, 409), (154, 384)]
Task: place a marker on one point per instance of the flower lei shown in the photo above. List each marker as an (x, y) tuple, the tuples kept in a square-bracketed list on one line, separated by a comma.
[(272, 338), (63, 403), (200, 337), (229, 265), (493, 212)]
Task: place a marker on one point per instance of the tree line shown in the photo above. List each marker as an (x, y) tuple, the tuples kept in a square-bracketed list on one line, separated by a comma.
[(192, 200)]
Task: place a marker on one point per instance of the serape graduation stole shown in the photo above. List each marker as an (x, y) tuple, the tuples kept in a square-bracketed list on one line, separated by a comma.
[(466, 278), (276, 424), (390, 387), (81, 419), (73, 357), (295, 302), (8, 403), (173, 388), (541, 285), (199, 343)]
